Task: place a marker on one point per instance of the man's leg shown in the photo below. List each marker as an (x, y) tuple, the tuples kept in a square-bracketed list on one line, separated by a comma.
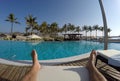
[(94, 74), (32, 74)]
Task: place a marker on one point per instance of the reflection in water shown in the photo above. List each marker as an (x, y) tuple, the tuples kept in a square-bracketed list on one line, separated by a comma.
[(35, 43)]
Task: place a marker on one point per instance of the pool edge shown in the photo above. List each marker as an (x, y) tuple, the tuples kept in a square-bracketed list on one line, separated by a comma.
[(44, 62)]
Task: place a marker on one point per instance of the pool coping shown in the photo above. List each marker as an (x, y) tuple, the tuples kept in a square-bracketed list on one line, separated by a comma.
[(44, 62)]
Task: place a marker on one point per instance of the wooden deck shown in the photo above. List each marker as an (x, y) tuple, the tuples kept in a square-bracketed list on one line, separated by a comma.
[(15, 73)]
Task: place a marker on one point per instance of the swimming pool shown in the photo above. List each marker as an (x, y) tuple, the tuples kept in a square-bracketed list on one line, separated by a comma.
[(17, 50)]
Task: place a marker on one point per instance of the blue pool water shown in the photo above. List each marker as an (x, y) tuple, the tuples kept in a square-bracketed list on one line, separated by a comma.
[(16, 50)]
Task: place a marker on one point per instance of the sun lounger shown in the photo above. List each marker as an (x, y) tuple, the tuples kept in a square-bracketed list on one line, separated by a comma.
[(111, 57), (63, 73)]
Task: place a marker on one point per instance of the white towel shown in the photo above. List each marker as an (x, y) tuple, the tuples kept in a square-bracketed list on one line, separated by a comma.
[(63, 73), (114, 60)]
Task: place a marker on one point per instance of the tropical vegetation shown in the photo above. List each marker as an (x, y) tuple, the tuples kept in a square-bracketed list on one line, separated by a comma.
[(12, 19), (53, 29)]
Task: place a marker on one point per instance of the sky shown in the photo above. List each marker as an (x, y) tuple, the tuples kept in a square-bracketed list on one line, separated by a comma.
[(77, 12)]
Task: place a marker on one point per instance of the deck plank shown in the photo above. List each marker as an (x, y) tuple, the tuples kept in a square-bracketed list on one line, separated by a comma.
[(23, 72), (8, 72), (2, 69), (15, 73)]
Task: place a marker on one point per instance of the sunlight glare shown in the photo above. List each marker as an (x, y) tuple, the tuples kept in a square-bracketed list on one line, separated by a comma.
[(118, 5), (118, 2)]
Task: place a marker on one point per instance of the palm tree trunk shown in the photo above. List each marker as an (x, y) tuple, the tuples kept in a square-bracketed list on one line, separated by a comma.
[(85, 34), (96, 34), (31, 30), (11, 28), (102, 33), (26, 31), (90, 35), (109, 34), (105, 26)]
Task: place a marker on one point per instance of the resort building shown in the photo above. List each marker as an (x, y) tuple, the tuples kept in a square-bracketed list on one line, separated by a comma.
[(72, 36)]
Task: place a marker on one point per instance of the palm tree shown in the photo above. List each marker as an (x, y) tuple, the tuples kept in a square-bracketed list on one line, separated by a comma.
[(11, 18), (26, 30), (69, 28), (101, 29), (54, 28), (105, 26), (31, 22), (96, 27), (78, 29), (60, 30), (64, 28), (43, 27), (72, 28), (90, 29), (48, 29), (36, 27), (85, 28)]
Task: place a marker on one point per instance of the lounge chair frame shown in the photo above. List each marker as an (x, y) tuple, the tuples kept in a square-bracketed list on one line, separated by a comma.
[(105, 61)]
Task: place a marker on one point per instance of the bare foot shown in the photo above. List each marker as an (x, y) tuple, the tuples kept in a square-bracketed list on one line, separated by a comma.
[(35, 60), (92, 59)]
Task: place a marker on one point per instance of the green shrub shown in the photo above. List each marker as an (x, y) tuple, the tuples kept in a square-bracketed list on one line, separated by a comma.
[(59, 38)]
